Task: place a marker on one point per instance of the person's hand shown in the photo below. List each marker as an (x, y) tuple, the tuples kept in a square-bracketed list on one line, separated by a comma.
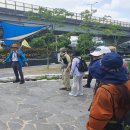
[(26, 64), (18, 54), (3, 62), (67, 70)]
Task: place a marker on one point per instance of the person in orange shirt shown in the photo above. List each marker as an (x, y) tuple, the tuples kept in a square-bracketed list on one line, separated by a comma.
[(112, 98)]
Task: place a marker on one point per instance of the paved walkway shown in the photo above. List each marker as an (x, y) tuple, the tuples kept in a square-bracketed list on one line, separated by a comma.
[(40, 105)]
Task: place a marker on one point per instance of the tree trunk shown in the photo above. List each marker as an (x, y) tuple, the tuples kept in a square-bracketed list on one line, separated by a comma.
[(47, 58), (115, 41)]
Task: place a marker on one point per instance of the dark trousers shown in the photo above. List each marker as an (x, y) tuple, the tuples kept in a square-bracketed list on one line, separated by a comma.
[(17, 70), (89, 79)]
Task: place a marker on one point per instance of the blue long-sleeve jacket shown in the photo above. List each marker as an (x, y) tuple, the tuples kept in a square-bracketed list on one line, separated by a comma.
[(21, 57)]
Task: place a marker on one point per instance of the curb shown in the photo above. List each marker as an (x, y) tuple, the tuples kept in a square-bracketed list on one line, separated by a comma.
[(35, 77), (32, 77)]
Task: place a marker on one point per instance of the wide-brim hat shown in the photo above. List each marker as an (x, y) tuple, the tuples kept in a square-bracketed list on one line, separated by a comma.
[(105, 71), (112, 48), (14, 46)]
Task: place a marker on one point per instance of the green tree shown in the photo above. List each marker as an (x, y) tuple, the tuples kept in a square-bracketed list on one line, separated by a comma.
[(50, 43), (85, 39), (38, 42), (44, 41), (53, 40), (84, 43), (60, 41), (55, 17)]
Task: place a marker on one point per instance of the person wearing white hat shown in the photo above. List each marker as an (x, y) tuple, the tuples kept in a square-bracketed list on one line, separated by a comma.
[(101, 50), (96, 55)]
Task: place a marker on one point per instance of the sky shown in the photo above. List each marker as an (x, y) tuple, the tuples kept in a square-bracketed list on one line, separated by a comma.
[(117, 9)]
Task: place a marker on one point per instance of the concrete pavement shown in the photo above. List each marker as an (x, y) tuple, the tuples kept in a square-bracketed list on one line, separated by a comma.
[(40, 105)]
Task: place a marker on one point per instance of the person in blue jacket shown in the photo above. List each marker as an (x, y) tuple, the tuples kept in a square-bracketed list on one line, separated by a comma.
[(18, 61)]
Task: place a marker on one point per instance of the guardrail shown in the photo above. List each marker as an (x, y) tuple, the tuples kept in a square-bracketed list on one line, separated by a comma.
[(15, 5)]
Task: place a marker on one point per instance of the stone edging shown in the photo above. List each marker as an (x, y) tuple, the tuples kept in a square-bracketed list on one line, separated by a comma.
[(35, 77)]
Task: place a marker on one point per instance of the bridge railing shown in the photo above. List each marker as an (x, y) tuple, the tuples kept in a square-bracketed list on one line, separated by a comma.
[(19, 6)]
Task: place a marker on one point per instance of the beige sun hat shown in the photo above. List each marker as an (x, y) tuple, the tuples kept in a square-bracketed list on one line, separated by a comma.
[(112, 48), (63, 50)]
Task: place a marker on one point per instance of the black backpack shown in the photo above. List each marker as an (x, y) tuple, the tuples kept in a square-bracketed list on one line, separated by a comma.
[(82, 66)]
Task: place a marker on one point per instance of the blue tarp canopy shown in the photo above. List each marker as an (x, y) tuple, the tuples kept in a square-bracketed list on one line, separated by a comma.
[(15, 32)]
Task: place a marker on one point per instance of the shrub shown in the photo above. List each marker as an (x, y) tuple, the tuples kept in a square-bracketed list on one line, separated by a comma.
[(85, 57)]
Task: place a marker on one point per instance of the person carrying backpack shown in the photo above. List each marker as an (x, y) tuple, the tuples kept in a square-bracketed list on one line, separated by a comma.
[(110, 108), (66, 63), (77, 71)]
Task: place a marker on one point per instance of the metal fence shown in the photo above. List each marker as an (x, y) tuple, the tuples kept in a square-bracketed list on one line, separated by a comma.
[(19, 6)]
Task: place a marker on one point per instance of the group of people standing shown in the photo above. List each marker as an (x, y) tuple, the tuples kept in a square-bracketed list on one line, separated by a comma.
[(70, 67), (110, 107)]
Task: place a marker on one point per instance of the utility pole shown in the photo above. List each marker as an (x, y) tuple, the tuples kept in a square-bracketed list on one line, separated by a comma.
[(91, 11)]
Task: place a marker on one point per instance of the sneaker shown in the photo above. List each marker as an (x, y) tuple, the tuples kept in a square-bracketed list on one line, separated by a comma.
[(81, 94), (68, 89), (22, 82), (16, 81), (72, 94), (86, 86), (62, 88)]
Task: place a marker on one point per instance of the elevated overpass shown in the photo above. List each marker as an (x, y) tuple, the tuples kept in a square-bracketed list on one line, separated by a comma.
[(15, 12)]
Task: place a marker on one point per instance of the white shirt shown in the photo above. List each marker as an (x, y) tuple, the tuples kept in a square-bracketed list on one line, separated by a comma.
[(14, 56)]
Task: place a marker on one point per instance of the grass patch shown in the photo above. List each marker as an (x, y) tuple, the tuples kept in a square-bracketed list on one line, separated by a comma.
[(41, 77), (48, 77)]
